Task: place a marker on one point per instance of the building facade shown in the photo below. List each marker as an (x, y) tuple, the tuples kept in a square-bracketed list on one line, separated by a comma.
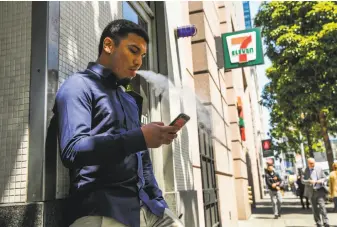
[(204, 174), (246, 13)]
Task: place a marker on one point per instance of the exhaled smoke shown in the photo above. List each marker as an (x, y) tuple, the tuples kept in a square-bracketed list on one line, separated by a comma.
[(163, 86)]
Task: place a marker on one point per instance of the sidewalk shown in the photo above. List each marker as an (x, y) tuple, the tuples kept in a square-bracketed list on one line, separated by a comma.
[(292, 214)]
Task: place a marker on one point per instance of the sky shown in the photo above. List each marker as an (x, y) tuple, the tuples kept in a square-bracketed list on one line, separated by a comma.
[(263, 80)]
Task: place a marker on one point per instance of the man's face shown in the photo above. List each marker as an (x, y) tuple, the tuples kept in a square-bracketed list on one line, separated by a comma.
[(311, 164), (126, 58), (270, 169)]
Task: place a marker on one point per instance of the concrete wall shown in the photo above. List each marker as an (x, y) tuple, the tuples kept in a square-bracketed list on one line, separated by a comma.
[(236, 88), (258, 133), (245, 86), (181, 77), (185, 148), (218, 90), (211, 87)]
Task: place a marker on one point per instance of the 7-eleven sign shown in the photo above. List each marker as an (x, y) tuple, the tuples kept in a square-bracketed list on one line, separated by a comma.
[(243, 48)]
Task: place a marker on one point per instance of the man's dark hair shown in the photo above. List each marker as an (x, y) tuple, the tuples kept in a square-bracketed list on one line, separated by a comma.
[(119, 29)]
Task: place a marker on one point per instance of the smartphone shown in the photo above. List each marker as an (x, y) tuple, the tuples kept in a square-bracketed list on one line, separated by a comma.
[(180, 121)]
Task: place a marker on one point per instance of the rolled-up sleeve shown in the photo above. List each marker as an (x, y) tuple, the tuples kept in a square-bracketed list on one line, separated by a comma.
[(77, 146)]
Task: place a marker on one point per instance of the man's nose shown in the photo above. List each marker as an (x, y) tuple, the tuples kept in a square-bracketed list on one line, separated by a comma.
[(138, 62)]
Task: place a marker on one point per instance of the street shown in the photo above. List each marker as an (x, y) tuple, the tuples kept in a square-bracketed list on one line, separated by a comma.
[(292, 214)]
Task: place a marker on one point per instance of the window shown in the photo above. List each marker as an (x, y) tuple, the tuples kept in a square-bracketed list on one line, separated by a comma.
[(209, 185), (135, 14)]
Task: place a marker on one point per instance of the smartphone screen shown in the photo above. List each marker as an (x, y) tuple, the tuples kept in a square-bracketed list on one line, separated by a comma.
[(180, 121)]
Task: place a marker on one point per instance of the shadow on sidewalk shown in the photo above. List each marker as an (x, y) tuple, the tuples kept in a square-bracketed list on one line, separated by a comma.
[(263, 218), (285, 210), (290, 205), (306, 226)]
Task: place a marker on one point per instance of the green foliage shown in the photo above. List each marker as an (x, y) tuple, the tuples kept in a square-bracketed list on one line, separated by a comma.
[(301, 42)]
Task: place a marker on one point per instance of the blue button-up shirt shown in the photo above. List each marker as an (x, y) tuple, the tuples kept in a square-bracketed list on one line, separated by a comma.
[(104, 149)]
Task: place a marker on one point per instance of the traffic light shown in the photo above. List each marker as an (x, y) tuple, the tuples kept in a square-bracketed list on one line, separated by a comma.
[(266, 145), (266, 148)]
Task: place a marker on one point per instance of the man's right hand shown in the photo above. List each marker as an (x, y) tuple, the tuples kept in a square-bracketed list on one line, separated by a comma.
[(157, 134), (273, 185)]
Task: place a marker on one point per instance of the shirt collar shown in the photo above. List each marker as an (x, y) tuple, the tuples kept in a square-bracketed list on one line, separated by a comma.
[(107, 74), (123, 88), (100, 70)]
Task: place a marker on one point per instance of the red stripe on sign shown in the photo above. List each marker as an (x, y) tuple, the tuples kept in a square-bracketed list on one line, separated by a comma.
[(244, 44)]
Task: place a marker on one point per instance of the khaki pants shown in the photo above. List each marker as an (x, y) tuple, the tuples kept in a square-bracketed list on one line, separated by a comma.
[(147, 219)]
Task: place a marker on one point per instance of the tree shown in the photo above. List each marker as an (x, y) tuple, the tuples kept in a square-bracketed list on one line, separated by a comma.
[(301, 39), (286, 128)]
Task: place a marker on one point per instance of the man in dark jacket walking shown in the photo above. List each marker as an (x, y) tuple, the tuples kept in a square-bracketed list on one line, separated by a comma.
[(274, 183), (300, 190)]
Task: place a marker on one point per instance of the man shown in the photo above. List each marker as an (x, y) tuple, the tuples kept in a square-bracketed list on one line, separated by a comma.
[(314, 180), (103, 143), (273, 181)]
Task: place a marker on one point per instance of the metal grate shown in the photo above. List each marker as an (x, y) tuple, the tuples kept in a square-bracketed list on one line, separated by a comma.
[(209, 185)]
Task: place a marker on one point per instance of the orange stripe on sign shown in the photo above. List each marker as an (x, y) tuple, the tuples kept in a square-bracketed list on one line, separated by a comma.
[(246, 42), (238, 40)]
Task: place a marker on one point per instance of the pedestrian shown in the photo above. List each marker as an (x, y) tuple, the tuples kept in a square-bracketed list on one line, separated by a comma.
[(102, 141), (300, 190), (274, 184), (333, 185), (314, 180)]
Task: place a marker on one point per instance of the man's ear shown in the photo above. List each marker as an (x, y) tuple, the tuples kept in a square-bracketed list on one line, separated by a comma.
[(108, 45)]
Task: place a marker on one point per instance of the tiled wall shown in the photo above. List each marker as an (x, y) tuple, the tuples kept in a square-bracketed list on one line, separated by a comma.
[(15, 50), (81, 25)]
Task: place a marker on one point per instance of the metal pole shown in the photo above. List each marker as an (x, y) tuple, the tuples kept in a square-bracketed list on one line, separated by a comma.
[(302, 152)]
